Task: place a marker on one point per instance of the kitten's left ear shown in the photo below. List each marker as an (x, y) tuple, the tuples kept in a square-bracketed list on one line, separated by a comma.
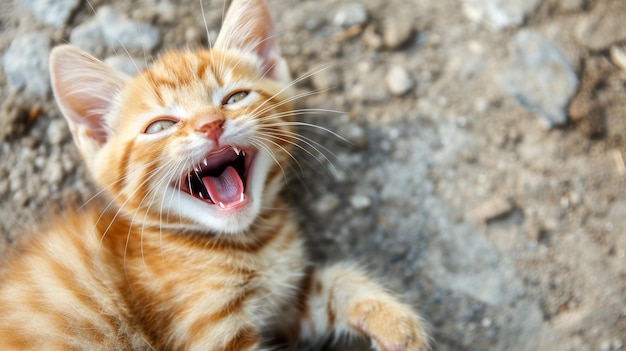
[(86, 91), (248, 27)]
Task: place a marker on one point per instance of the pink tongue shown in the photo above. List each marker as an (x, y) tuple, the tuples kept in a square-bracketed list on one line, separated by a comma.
[(226, 188)]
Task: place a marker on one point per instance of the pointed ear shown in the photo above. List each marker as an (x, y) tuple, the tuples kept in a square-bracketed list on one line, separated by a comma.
[(248, 27), (86, 90)]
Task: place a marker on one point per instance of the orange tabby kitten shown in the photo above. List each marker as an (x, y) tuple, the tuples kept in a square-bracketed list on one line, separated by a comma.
[(193, 249)]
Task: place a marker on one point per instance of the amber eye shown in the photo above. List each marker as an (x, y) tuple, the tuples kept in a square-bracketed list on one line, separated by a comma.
[(159, 125), (235, 97)]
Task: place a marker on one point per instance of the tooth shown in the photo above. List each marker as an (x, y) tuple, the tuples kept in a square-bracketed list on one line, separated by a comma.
[(243, 153), (222, 205), (243, 197), (237, 151), (200, 194), (205, 162)]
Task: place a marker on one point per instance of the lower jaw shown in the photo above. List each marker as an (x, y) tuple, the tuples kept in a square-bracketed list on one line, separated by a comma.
[(225, 208)]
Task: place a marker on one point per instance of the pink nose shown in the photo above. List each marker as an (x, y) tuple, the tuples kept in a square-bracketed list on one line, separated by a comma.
[(213, 129)]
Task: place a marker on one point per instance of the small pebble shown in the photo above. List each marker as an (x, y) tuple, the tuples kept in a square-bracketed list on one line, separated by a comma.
[(493, 208), (54, 173), (360, 202), (618, 57), (327, 78), (397, 33), (57, 131), (349, 15), (372, 39), (499, 14), (326, 203), (356, 135), (398, 81), (596, 33)]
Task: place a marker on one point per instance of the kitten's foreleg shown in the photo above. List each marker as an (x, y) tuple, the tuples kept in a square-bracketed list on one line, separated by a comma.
[(342, 298)]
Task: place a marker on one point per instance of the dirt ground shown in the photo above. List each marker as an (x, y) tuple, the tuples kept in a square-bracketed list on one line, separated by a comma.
[(483, 174)]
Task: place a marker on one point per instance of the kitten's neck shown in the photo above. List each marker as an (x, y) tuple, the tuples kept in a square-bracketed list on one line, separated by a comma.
[(126, 234)]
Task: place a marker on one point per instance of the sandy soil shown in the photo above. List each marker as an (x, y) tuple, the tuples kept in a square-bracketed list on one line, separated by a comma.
[(505, 228)]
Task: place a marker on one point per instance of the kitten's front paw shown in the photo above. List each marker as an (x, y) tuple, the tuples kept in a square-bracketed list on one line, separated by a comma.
[(391, 326)]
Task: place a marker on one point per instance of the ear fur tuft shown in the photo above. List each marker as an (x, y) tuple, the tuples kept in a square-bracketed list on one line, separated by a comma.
[(248, 27), (86, 91)]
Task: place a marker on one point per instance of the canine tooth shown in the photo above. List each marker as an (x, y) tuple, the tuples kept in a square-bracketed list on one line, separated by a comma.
[(237, 151), (222, 205), (243, 197), (200, 194), (206, 163), (243, 153)]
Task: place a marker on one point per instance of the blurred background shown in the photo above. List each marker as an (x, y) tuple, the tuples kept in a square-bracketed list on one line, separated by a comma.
[(483, 172)]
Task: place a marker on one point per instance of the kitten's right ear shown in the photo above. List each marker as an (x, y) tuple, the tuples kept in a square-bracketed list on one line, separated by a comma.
[(248, 27), (86, 90)]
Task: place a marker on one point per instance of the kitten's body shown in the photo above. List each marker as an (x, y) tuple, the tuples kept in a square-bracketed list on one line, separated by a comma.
[(159, 265), (78, 288)]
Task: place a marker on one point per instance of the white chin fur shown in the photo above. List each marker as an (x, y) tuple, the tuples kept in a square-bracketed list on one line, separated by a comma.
[(210, 217)]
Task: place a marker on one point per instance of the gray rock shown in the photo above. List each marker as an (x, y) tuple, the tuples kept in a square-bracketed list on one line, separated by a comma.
[(539, 77), (462, 260), (25, 64), (598, 31), (350, 15), (499, 14), (398, 81), (397, 33), (360, 202), (114, 30), (53, 12)]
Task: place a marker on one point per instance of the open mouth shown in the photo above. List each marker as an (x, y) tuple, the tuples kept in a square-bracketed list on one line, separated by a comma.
[(220, 178)]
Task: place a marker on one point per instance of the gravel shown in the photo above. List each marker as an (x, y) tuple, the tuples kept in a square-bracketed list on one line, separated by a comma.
[(499, 14), (115, 30)]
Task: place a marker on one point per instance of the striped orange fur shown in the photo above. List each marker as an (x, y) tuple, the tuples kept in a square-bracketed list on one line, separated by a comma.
[(188, 246)]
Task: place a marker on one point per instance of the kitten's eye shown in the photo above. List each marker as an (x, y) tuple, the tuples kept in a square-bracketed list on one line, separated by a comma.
[(159, 125), (235, 97)]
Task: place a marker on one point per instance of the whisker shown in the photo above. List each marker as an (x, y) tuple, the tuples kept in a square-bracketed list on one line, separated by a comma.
[(260, 145), (314, 126)]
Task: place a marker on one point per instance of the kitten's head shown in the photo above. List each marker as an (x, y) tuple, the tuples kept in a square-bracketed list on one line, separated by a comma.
[(195, 141)]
